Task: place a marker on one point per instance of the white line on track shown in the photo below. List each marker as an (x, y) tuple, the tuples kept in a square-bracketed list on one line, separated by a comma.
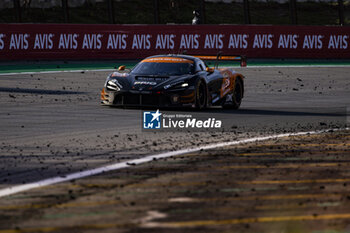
[(252, 66), (116, 166)]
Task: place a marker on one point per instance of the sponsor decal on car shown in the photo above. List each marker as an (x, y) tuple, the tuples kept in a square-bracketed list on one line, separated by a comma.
[(167, 60), (145, 83)]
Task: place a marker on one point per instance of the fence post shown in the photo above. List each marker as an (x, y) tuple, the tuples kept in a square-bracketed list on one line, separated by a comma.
[(17, 6), (110, 11), (156, 11), (341, 12), (202, 15), (293, 11), (65, 11), (246, 10)]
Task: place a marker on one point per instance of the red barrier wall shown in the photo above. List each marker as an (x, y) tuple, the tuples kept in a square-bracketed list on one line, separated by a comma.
[(67, 41)]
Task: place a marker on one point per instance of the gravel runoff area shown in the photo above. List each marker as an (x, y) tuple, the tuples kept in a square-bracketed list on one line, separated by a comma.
[(52, 125)]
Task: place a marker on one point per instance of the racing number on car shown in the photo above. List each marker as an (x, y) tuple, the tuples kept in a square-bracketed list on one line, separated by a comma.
[(226, 83)]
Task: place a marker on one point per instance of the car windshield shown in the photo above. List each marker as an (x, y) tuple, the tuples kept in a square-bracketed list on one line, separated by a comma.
[(162, 68)]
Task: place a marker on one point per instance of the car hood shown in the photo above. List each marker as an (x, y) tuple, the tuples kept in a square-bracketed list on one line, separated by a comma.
[(150, 82)]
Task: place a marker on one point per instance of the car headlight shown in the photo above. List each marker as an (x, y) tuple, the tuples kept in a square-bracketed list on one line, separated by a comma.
[(176, 85), (113, 85)]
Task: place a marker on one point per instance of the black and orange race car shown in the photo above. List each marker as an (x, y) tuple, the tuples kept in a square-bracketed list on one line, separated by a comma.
[(175, 80)]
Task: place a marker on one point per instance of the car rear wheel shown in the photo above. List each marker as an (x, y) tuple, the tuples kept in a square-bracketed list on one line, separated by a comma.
[(201, 95), (233, 99)]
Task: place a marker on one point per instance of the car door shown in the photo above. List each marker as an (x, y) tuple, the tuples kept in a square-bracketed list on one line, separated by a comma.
[(214, 81)]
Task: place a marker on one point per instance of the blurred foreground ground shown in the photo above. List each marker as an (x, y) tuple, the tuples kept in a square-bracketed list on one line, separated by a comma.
[(295, 184)]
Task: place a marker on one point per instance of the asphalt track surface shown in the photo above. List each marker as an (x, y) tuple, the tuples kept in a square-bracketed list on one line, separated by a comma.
[(52, 124)]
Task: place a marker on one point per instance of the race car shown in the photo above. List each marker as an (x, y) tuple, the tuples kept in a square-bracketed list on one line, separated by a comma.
[(175, 81)]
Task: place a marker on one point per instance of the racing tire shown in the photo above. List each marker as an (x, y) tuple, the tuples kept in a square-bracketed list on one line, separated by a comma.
[(201, 95), (235, 96)]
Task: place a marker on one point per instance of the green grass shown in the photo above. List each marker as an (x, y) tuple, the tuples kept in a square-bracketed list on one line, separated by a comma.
[(91, 65), (141, 12)]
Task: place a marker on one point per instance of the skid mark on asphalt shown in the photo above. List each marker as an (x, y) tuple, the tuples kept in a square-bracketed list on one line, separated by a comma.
[(259, 197), (247, 220), (69, 229), (64, 205), (184, 199), (297, 206), (280, 206), (305, 145), (279, 153), (308, 181), (185, 224), (294, 181), (86, 214), (263, 154), (287, 165)]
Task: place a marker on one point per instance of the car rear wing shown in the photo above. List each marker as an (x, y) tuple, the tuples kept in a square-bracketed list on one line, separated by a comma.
[(219, 57)]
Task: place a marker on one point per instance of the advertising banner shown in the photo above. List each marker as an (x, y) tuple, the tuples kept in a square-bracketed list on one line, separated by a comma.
[(69, 41)]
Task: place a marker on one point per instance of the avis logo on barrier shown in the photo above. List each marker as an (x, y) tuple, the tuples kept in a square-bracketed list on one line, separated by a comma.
[(152, 120)]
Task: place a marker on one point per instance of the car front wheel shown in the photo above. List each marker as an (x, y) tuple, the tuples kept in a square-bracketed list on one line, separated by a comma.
[(234, 98), (201, 95)]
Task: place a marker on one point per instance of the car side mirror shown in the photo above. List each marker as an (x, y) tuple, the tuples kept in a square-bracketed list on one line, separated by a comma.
[(121, 68), (209, 70)]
